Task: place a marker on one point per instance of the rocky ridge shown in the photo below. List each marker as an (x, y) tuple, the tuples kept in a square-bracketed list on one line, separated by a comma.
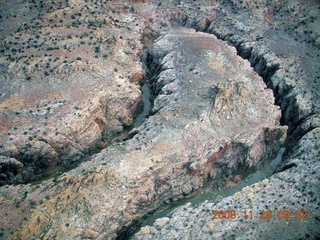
[(295, 185), (227, 123), (118, 174), (69, 83)]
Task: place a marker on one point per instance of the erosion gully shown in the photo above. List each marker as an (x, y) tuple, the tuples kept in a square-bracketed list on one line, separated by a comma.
[(146, 97), (138, 120), (252, 177), (259, 173)]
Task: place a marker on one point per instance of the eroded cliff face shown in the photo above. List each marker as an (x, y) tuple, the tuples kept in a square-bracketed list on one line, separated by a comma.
[(69, 84), (281, 41), (213, 119)]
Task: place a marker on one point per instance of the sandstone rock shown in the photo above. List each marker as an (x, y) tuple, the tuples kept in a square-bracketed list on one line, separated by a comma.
[(161, 222), (41, 149), (212, 118), (76, 96), (223, 121), (9, 168), (293, 88), (290, 190)]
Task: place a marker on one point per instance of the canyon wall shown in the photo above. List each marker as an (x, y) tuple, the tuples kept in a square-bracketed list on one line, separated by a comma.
[(213, 120), (291, 74), (210, 124)]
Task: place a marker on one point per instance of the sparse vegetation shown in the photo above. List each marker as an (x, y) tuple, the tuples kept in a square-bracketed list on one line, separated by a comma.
[(61, 54)]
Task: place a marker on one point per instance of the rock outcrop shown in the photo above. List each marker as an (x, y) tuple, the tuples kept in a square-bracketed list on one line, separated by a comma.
[(71, 83), (213, 118), (283, 206), (271, 38), (9, 167)]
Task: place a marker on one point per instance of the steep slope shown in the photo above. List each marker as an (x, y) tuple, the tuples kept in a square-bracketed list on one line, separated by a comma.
[(213, 119)]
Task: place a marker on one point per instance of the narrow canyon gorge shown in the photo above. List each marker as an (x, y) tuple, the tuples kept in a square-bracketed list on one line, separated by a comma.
[(114, 110)]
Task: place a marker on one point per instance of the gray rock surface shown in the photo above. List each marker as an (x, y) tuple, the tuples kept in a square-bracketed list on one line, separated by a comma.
[(66, 81), (294, 188), (271, 38), (213, 119), (9, 168)]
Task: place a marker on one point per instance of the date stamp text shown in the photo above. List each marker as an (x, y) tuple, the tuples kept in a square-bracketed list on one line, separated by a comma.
[(262, 214)]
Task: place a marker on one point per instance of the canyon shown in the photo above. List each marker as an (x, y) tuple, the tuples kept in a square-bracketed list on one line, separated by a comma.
[(231, 82)]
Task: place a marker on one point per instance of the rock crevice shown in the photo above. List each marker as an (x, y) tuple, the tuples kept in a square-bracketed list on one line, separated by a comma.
[(211, 121), (280, 76), (292, 77)]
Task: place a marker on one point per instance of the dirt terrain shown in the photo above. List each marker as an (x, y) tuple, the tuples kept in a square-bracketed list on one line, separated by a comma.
[(69, 84), (230, 81)]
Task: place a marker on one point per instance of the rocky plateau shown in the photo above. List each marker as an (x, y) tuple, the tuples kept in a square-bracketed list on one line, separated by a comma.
[(231, 82)]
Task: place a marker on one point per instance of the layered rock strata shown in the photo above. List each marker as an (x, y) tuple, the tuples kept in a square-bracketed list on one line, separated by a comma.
[(285, 53), (69, 83), (281, 43), (213, 119), (293, 189)]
